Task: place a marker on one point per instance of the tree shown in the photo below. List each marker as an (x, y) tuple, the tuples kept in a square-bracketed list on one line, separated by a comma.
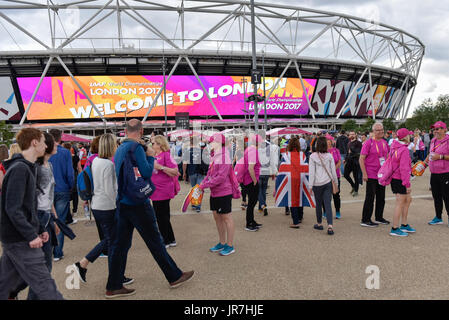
[(368, 125), (349, 125), (428, 113), (388, 124), (6, 134)]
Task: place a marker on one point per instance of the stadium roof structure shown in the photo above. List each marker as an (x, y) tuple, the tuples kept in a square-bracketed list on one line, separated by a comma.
[(208, 37)]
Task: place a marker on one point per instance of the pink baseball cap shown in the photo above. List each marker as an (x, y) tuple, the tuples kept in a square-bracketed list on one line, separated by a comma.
[(329, 137), (217, 137), (439, 124), (402, 133)]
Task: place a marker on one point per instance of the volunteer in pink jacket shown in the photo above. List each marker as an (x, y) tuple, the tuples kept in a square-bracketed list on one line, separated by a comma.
[(438, 161), (164, 178), (218, 179), (374, 153), (400, 183), (251, 180)]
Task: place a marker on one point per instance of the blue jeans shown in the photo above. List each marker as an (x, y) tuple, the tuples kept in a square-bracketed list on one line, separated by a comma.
[(263, 185), (105, 220), (142, 218), (62, 206), (323, 196), (342, 166), (195, 179)]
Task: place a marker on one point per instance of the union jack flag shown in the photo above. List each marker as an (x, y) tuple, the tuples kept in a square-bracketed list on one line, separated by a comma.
[(292, 182)]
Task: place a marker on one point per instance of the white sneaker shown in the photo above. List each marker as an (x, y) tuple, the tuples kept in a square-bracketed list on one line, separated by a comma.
[(75, 221)]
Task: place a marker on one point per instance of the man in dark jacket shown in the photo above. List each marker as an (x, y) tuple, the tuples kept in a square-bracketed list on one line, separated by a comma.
[(21, 234), (65, 180), (352, 163), (141, 216)]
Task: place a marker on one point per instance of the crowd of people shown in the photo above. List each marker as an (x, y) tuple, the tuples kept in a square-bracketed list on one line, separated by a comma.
[(135, 180)]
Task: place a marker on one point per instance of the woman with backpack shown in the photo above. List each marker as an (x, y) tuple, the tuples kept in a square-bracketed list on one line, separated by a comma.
[(223, 186), (400, 183), (322, 179), (103, 201), (165, 180)]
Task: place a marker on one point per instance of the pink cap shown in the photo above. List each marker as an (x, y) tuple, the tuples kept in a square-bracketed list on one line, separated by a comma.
[(217, 137), (439, 124), (329, 137), (402, 133)]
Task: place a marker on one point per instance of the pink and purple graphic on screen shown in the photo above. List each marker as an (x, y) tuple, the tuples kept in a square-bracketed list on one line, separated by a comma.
[(60, 98)]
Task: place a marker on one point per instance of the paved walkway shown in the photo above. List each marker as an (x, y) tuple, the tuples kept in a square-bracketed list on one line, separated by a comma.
[(278, 262)]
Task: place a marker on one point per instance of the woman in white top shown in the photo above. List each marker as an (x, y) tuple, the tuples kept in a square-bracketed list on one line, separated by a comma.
[(103, 200), (322, 173)]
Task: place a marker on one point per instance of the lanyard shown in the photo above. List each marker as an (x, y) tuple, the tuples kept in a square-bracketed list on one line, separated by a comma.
[(377, 147), (436, 147)]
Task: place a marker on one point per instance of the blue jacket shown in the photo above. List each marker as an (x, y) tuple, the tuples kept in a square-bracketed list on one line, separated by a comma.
[(144, 163), (63, 170)]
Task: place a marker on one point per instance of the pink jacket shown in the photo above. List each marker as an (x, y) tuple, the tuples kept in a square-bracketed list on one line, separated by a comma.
[(439, 147), (218, 176), (401, 161)]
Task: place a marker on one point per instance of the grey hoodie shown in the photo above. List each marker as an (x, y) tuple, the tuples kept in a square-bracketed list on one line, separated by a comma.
[(18, 218)]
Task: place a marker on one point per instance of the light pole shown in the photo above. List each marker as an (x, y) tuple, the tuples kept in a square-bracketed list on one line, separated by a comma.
[(245, 111), (264, 93), (253, 80), (165, 98)]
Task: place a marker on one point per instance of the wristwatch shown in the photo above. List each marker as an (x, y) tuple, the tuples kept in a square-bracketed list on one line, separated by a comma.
[(162, 168)]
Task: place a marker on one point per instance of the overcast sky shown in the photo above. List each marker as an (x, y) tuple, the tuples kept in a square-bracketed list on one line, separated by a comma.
[(427, 20)]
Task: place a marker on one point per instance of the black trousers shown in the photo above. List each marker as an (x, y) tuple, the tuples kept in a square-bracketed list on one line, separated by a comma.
[(337, 200), (75, 200), (440, 192), (352, 166), (253, 196), (373, 191), (162, 210), (101, 236), (243, 192)]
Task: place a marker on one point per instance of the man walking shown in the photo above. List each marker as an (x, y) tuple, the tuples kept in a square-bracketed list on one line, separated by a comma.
[(65, 180), (373, 155), (21, 233), (132, 215)]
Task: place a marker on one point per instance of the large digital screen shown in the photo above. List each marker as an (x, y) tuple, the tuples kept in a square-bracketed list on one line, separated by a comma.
[(9, 110), (60, 98)]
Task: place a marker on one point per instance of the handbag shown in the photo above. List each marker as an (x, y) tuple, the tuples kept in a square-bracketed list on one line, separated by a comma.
[(335, 189)]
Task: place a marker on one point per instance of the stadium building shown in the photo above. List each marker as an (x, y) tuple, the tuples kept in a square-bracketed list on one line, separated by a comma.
[(92, 64)]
